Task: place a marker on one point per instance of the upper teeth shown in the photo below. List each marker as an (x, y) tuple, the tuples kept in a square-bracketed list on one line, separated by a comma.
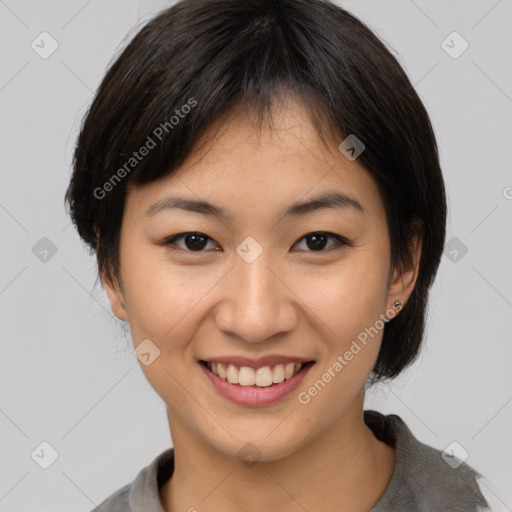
[(247, 376)]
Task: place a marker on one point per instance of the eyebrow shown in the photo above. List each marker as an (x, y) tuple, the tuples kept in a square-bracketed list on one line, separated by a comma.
[(326, 200)]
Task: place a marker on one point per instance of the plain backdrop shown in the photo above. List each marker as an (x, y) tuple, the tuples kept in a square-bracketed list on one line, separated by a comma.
[(67, 378)]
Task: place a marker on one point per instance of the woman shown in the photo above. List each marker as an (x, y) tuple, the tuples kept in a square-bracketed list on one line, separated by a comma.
[(261, 185)]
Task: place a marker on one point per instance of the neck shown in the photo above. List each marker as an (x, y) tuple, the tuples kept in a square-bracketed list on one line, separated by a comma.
[(346, 464)]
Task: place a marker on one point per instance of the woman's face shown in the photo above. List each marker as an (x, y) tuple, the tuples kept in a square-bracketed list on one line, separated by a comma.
[(252, 284)]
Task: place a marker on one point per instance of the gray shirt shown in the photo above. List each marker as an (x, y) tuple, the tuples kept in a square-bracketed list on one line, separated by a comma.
[(422, 481)]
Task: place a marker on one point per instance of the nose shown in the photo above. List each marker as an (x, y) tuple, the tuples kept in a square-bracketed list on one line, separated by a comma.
[(257, 302)]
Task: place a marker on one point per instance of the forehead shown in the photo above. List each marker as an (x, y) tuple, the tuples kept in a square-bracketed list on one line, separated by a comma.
[(239, 163), (286, 131)]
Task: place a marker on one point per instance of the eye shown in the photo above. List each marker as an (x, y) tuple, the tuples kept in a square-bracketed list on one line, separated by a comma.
[(194, 241), (318, 239)]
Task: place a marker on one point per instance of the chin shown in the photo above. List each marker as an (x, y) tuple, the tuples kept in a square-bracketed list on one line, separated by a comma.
[(256, 444)]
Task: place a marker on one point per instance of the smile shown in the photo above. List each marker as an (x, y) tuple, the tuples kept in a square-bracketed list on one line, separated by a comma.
[(261, 377), (245, 385)]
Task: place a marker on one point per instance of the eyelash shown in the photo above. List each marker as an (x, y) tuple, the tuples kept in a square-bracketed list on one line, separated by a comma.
[(341, 241)]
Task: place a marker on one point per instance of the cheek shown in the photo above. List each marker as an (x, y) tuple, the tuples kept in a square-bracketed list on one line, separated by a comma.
[(162, 295), (349, 305), (348, 297), (348, 300), (165, 304)]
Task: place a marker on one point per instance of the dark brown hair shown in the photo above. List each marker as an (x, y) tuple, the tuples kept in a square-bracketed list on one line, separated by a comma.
[(200, 58)]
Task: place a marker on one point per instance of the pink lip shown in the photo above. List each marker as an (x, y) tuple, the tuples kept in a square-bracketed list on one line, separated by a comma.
[(260, 362), (253, 395)]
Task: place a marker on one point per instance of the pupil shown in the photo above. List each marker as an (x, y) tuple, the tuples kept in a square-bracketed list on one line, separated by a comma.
[(318, 241), (198, 242)]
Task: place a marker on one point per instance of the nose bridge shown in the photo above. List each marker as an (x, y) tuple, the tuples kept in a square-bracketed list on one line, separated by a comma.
[(256, 305)]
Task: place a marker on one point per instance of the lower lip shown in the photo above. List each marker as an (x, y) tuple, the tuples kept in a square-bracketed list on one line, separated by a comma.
[(253, 395)]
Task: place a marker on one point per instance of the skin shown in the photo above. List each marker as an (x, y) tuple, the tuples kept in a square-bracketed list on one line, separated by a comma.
[(293, 299)]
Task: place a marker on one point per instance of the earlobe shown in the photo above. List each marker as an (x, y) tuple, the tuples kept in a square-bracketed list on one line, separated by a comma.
[(115, 297)]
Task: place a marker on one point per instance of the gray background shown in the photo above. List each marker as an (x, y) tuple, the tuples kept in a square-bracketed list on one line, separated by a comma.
[(66, 377)]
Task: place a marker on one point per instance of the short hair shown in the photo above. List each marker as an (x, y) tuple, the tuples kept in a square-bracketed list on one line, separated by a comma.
[(198, 59)]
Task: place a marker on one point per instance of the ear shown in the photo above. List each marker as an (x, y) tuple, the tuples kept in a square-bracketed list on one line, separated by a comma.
[(113, 287), (115, 295), (404, 278)]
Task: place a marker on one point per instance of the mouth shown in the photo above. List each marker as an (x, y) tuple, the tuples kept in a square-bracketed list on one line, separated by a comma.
[(263, 377), (262, 386)]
